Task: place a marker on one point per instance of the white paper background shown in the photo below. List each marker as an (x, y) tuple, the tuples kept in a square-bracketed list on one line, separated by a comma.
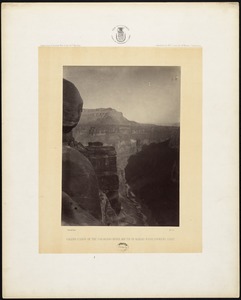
[(212, 273)]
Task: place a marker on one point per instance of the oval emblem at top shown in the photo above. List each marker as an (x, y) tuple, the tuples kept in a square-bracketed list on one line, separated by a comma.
[(120, 34)]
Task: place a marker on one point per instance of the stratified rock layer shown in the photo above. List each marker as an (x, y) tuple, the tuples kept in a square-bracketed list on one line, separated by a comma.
[(103, 159)]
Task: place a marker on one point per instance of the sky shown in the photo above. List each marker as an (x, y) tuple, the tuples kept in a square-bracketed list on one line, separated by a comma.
[(143, 94)]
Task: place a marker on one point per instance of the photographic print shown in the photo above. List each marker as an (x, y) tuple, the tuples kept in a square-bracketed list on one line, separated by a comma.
[(121, 141), (123, 173), (81, 44)]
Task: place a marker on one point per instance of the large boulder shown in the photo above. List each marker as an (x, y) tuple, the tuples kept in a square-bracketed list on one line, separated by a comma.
[(74, 215), (72, 106), (79, 181)]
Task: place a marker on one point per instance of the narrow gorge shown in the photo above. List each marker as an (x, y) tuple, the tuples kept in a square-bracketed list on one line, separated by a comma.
[(137, 167)]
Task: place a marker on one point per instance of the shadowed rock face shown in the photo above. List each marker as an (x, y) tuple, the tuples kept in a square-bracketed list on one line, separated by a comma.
[(73, 214), (79, 181), (152, 176), (72, 106), (80, 200)]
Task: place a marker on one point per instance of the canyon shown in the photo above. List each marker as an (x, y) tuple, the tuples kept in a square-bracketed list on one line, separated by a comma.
[(143, 162)]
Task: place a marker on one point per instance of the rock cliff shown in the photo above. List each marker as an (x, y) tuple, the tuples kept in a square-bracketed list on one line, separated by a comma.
[(104, 116), (153, 177), (80, 191), (117, 172), (79, 181)]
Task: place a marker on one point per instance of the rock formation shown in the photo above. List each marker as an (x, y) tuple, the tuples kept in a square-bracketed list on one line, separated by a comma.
[(72, 106), (104, 116), (152, 175), (79, 181), (103, 159), (74, 215), (117, 172)]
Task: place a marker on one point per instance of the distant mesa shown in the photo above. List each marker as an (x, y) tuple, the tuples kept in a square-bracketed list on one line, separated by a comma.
[(104, 116), (110, 127), (109, 116)]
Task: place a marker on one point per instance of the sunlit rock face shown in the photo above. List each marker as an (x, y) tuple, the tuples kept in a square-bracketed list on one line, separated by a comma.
[(152, 177), (103, 159), (79, 181)]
